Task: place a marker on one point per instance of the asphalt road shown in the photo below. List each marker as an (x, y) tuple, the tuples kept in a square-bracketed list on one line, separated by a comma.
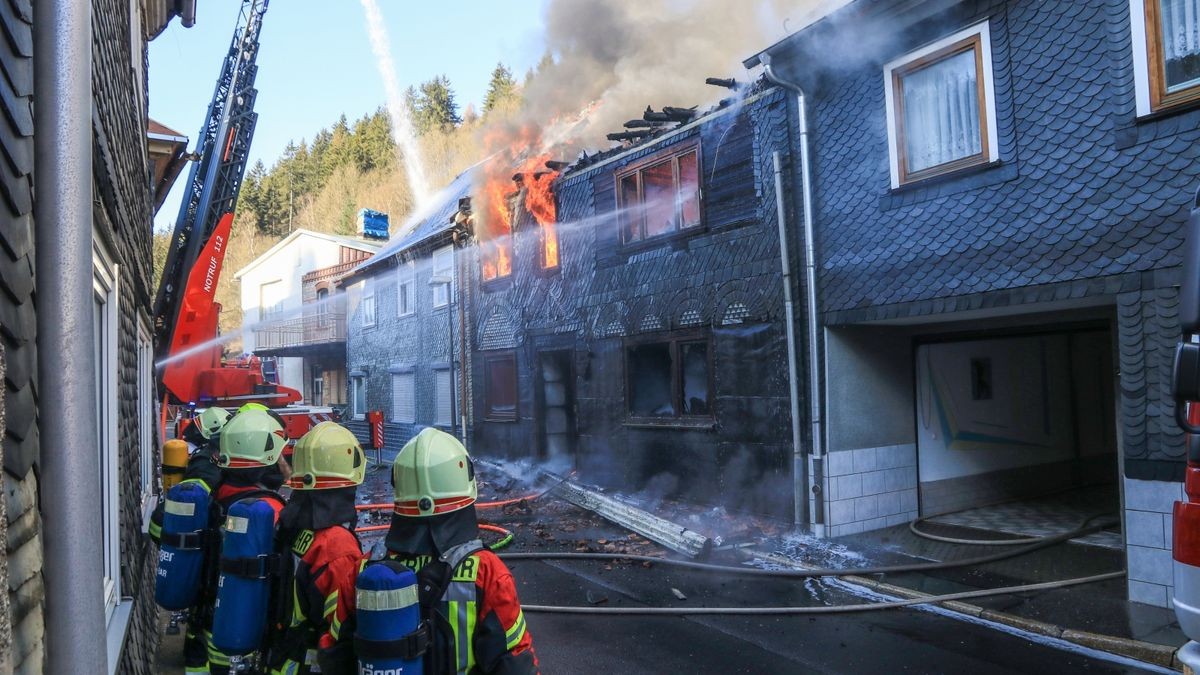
[(890, 641)]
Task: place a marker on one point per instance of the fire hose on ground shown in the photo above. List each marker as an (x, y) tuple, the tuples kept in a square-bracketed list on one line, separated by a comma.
[(1040, 543), (1031, 544)]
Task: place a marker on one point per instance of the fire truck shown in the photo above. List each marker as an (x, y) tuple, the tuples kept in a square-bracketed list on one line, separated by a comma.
[(193, 371)]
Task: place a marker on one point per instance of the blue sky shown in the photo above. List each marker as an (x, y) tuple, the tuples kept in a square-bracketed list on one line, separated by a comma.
[(315, 62)]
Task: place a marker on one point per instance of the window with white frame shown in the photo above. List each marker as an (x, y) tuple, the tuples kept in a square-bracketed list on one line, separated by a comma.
[(104, 372), (443, 267), (404, 400), (270, 299), (146, 417), (941, 107), (358, 396), (1166, 53), (366, 306), (405, 302), (443, 389)]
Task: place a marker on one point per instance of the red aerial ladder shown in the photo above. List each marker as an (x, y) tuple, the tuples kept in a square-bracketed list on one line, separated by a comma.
[(193, 371)]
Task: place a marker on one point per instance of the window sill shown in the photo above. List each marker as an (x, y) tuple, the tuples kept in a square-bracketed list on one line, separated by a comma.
[(504, 420), (118, 625), (1158, 124), (694, 423), (962, 180)]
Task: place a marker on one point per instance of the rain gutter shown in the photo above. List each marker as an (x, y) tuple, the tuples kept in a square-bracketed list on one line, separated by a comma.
[(816, 455), (68, 460)]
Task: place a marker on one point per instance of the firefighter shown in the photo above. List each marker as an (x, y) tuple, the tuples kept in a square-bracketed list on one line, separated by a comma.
[(315, 529), (250, 445), (477, 621)]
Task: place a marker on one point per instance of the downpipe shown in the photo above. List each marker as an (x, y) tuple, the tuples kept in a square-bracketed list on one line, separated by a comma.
[(800, 469), (816, 456), (68, 458)]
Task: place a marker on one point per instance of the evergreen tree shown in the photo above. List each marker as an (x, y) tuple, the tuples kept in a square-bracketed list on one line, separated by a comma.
[(501, 88), (434, 107)]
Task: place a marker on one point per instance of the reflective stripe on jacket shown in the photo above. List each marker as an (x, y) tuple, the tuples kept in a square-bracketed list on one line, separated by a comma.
[(480, 603)]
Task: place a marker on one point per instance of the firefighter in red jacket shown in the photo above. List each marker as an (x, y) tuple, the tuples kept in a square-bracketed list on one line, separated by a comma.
[(478, 625), (251, 444), (315, 527)]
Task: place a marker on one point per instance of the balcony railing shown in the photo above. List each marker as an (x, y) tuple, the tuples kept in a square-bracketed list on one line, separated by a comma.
[(313, 329)]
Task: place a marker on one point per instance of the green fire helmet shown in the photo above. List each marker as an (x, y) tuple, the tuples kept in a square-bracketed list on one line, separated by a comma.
[(254, 405), (212, 420), (433, 475), (328, 456), (253, 438)]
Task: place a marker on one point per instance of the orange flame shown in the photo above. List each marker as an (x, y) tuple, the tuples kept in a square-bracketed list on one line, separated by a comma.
[(516, 168)]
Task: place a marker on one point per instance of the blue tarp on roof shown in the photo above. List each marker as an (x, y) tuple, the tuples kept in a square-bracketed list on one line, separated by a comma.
[(434, 218)]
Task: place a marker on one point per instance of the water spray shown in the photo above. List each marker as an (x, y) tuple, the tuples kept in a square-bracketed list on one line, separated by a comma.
[(402, 129)]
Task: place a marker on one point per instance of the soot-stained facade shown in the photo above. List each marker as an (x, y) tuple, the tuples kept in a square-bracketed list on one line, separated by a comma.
[(652, 356), (1044, 217)]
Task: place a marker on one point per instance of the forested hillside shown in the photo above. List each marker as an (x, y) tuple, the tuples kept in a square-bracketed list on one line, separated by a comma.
[(320, 183)]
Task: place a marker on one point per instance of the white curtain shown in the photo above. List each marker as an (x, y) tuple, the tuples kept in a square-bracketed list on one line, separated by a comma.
[(1181, 41), (941, 112)]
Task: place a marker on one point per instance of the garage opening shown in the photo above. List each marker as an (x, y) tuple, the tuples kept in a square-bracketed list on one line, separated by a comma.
[(1018, 433)]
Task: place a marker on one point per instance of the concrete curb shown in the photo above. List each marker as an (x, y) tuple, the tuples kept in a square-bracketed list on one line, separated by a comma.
[(1147, 652)]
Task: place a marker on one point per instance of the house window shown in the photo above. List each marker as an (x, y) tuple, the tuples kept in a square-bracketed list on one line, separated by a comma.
[(146, 418), (404, 400), (404, 289), (1166, 36), (548, 249), (660, 197), (270, 299), (940, 107), (104, 372), (669, 378), (443, 267), (366, 306), (443, 390), (500, 387), (358, 396)]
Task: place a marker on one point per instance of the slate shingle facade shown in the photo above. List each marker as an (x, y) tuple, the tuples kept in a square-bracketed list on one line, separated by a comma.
[(417, 342), (122, 213), (722, 280), (1084, 207)]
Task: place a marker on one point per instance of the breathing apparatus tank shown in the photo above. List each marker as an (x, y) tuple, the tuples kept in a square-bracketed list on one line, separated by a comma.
[(249, 565), (181, 553), (390, 637), (174, 462)]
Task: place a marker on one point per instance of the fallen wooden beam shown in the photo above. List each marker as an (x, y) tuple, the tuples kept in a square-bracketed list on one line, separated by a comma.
[(659, 530)]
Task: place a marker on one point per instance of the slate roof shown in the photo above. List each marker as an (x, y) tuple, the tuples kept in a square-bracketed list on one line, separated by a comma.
[(1080, 190), (435, 218)]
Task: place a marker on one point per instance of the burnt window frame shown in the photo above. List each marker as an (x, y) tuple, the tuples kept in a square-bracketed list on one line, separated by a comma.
[(1161, 100), (671, 153), (675, 339), (489, 414), (975, 38), (542, 269)]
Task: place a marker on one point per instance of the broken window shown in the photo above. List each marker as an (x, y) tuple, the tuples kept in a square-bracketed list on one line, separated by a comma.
[(500, 386), (660, 197), (549, 247), (669, 378)]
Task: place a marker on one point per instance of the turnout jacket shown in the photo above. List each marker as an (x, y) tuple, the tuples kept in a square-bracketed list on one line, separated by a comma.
[(320, 624), (486, 627)]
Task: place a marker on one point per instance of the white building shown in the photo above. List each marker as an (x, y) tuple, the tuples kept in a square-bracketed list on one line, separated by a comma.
[(273, 295)]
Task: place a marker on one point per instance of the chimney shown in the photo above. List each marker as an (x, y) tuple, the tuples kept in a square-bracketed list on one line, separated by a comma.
[(372, 224)]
